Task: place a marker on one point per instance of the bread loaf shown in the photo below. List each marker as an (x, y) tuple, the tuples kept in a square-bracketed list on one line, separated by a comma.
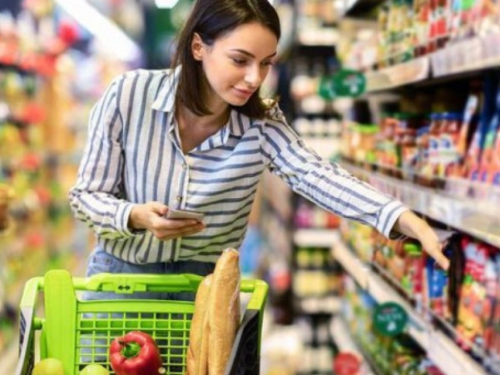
[(197, 353), (223, 311)]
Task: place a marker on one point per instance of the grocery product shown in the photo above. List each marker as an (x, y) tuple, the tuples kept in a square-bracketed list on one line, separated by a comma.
[(135, 353), (197, 355), (5, 196), (488, 149), (436, 286), (412, 281), (493, 174)]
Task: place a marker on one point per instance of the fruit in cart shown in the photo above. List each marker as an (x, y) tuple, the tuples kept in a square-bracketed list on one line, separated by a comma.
[(48, 366), (94, 370), (135, 353)]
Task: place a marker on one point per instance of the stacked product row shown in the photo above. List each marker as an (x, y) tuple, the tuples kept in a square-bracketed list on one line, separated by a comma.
[(465, 302), (444, 139)]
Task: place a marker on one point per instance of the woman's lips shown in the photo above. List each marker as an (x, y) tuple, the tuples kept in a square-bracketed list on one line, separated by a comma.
[(243, 93)]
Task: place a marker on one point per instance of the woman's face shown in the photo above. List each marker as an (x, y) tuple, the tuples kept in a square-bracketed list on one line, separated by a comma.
[(237, 63)]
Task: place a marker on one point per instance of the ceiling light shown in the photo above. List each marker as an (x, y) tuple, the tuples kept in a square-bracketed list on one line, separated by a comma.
[(166, 4)]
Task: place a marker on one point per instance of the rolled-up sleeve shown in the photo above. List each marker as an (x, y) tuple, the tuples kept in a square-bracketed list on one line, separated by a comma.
[(325, 183), (96, 198)]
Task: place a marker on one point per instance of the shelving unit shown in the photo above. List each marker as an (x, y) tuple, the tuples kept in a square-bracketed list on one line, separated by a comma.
[(450, 358), (468, 57), (398, 75), (479, 219)]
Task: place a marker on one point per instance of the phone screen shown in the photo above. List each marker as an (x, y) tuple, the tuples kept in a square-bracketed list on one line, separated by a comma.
[(185, 215)]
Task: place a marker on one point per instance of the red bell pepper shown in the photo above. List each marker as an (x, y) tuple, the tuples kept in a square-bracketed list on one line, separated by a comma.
[(135, 353)]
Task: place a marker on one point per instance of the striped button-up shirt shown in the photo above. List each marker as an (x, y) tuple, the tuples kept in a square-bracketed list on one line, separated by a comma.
[(134, 155)]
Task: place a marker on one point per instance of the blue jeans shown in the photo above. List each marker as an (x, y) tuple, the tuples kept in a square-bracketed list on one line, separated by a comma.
[(99, 262)]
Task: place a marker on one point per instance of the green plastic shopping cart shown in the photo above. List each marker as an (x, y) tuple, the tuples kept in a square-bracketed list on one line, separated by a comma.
[(79, 332)]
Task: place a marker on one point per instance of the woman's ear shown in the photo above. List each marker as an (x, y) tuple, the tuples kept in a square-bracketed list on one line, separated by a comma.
[(197, 47)]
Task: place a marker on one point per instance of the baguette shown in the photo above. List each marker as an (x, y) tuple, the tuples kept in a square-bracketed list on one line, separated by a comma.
[(223, 311), (197, 356)]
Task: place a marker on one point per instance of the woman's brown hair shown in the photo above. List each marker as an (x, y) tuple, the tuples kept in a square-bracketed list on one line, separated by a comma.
[(211, 19)]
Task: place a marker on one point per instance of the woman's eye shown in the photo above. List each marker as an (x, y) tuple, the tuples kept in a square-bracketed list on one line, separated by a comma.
[(239, 61), (267, 63)]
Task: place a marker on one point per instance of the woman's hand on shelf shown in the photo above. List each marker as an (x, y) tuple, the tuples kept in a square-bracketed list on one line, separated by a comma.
[(412, 226)]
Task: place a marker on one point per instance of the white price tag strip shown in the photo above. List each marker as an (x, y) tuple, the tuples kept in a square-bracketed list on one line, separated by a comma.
[(475, 53), (354, 267), (340, 333), (450, 358), (398, 75)]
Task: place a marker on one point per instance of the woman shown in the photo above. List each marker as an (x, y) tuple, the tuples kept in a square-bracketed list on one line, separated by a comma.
[(198, 137)]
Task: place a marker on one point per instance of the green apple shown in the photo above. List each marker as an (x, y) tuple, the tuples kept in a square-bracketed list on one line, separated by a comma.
[(94, 370), (48, 366)]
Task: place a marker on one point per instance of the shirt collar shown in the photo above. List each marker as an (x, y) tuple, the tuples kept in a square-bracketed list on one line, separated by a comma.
[(239, 123), (165, 100)]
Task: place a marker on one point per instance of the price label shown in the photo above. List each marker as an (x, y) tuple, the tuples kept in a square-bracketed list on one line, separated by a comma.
[(346, 364), (390, 319)]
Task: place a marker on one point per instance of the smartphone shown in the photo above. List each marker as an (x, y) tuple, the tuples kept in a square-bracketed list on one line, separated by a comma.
[(184, 215)]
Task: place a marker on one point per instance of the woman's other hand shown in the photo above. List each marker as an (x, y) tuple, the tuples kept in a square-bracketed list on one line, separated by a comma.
[(411, 225), (151, 216)]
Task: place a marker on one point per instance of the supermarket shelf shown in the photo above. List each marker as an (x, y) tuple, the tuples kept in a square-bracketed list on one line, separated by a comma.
[(352, 264), (474, 217), (318, 37), (458, 60), (474, 54), (444, 325), (342, 337), (316, 237), (398, 75), (441, 350), (320, 305)]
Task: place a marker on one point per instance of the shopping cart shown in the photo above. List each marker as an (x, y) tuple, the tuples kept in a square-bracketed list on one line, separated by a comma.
[(79, 332)]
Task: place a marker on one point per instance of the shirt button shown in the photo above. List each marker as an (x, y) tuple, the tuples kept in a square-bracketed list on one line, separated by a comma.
[(184, 165), (179, 198)]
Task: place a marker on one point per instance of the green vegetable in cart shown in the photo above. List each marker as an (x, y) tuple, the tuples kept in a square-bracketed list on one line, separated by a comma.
[(135, 353), (48, 366), (94, 370)]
